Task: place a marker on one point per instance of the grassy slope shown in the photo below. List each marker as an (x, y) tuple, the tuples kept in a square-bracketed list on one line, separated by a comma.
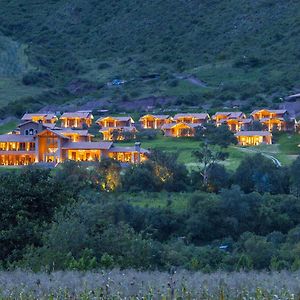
[(69, 39), (285, 151)]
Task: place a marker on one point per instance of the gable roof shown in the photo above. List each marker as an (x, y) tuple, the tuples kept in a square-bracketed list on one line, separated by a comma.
[(229, 114), (161, 117), (253, 133), (16, 138), (47, 116), (123, 128), (87, 145), (273, 111), (171, 125), (77, 114), (115, 149), (54, 132), (124, 119), (201, 116), (66, 131), (45, 125)]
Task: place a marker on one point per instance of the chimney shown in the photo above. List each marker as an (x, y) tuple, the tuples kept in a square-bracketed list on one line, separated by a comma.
[(40, 126), (137, 147)]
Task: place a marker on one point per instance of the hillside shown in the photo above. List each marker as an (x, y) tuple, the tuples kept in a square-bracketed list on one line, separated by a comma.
[(244, 52)]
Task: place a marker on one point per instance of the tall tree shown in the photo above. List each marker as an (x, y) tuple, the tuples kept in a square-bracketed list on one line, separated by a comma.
[(208, 156)]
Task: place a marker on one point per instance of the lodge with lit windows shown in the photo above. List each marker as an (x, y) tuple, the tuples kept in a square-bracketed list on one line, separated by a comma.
[(38, 139), (38, 142)]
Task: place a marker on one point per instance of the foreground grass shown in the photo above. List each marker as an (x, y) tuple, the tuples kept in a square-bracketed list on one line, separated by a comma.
[(130, 284)]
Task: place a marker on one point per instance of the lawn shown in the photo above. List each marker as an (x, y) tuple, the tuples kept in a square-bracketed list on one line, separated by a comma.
[(285, 150)]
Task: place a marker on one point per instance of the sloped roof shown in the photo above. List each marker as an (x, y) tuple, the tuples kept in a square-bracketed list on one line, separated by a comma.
[(161, 117), (16, 138), (270, 119), (77, 114), (171, 125), (72, 131), (123, 128), (125, 118), (273, 111), (253, 133), (127, 149), (248, 120), (201, 116), (229, 114), (54, 132), (87, 145), (45, 125), (47, 116)]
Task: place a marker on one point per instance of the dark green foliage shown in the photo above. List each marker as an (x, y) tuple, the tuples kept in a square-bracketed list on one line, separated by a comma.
[(28, 201), (211, 134), (295, 177), (75, 217), (161, 171), (258, 173), (240, 48)]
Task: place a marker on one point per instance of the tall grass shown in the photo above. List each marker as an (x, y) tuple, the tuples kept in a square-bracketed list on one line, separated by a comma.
[(130, 284)]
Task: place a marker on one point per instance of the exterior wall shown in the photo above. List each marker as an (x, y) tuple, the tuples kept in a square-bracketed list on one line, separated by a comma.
[(179, 131), (83, 155), (254, 140), (49, 148), (111, 122), (30, 128), (127, 157), (75, 122), (17, 159), (153, 123), (108, 134)]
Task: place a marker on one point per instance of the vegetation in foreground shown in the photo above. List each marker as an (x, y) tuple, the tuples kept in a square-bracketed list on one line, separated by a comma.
[(73, 217), (129, 284)]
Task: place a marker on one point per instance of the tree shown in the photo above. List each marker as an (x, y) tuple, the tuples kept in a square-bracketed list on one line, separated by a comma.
[(160, 171), (295, 177), (207, 157), (259, 173), (28, 201), (213, 135), (107, 174)]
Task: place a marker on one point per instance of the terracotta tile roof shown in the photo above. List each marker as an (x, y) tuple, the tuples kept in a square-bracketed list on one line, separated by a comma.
[(87, 145), (201, 116), (253, 133), (16, 138), (77, 114)]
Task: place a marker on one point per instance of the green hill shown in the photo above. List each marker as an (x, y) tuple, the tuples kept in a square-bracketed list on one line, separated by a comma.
[(242, 50)]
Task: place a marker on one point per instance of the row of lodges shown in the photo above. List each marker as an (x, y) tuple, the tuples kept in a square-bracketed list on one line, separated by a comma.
[(180, 125), (41, 141)]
